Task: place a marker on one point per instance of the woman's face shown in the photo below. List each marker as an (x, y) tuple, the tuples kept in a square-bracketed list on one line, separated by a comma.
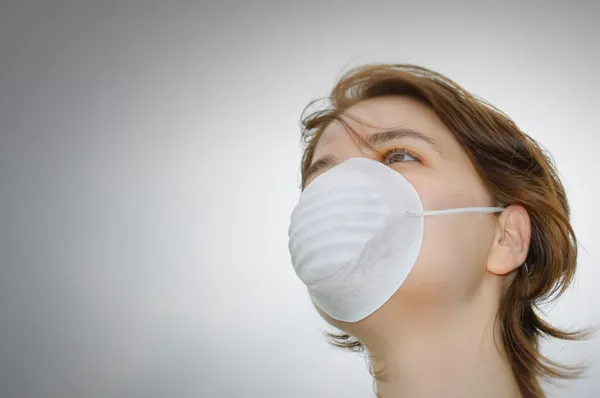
[(451, 265)]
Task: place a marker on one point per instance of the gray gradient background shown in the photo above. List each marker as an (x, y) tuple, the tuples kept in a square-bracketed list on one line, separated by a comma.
[(149, 161)]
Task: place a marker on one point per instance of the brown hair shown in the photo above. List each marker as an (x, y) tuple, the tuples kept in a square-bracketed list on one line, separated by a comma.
[(515, 169)]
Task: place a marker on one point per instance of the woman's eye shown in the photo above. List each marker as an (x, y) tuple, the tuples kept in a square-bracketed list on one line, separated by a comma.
[(401, 155)]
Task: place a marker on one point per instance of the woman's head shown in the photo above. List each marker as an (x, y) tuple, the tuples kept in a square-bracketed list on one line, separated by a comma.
[(457, 151)]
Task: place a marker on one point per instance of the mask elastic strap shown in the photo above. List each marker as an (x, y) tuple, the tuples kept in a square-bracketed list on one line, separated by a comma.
[(457, 211)]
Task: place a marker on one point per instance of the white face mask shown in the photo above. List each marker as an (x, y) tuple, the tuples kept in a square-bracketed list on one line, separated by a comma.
[(355, 235)]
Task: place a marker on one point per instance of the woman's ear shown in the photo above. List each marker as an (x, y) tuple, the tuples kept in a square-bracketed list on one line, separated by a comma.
[(511, 243)]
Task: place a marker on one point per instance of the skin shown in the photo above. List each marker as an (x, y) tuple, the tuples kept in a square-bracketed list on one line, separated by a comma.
[(437, 336)]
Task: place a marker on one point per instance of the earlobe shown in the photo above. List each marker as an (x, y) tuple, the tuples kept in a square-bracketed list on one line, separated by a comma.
[(511, 243)]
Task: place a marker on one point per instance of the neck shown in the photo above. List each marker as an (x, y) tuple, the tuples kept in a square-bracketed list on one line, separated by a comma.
[(445, 353)]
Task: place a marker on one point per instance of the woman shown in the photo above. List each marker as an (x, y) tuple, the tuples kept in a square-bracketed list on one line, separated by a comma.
[(428, 228)]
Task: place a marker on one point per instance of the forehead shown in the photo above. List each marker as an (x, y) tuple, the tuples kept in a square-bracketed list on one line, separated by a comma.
[(379, 113)]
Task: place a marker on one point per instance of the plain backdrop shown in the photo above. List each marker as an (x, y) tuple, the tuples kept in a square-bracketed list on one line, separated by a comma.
[(149, 163)]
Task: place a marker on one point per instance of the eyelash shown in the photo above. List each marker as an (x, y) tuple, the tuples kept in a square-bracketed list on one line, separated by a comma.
[(405, 151)]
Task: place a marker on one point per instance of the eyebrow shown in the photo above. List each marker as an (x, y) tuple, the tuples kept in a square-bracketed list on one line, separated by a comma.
[(329, 161)]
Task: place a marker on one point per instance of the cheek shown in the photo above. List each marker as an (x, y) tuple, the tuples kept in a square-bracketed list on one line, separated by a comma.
[(452, 261)]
